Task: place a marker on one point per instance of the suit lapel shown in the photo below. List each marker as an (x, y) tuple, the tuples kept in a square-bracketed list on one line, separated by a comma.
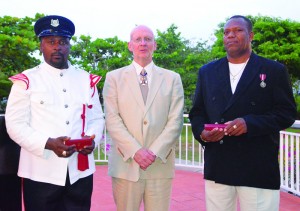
[(156, 80), (224, 80), (132, 82), (249, 74)]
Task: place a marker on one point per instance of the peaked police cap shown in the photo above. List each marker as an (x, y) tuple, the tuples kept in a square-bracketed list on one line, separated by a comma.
[(54, 25)]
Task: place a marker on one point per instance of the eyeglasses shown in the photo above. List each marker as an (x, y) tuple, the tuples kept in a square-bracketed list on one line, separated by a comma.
[(140, 40)]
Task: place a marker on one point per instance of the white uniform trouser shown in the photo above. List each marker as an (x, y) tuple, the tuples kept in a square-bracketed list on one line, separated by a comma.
[(221, 197)]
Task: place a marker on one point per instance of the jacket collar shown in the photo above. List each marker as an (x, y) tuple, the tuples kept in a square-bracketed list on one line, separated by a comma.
[(250, 72), (132, 82)]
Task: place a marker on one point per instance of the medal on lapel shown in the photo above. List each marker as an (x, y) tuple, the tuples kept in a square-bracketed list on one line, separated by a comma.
[(263, 78)]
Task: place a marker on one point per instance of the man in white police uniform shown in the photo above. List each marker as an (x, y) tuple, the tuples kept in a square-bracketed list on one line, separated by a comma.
[(48, 105)]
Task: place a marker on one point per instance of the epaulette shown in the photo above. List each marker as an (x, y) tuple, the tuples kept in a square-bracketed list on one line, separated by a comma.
[(94, 79), (20, 77)]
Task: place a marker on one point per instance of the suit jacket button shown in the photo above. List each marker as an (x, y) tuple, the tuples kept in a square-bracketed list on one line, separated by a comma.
[(145, 122), (221, 142)]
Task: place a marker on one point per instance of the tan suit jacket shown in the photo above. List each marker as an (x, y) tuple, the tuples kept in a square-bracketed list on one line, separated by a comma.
[(132, 124)]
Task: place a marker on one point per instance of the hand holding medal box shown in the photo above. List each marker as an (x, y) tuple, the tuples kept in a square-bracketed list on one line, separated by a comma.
[(210, 127), (80, 143), (83, 160)]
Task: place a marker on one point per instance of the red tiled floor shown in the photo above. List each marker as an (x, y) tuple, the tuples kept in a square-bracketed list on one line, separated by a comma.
[(187, 193)]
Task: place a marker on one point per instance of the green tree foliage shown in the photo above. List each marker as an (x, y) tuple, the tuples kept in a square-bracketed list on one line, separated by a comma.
[(171, 50), (4, 85), (199, 55), (17, 46), (274, 38), (99, 56), (279, 40), (182, 56)]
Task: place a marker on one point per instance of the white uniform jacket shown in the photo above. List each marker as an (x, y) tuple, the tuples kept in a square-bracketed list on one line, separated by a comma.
[(48, 102)]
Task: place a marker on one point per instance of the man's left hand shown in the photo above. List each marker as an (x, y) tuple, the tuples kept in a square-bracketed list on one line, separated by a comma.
[(88, 149), (236, 127)]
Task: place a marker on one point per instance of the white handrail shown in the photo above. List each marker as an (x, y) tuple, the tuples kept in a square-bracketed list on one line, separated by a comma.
[(190, 154), (289, 161)]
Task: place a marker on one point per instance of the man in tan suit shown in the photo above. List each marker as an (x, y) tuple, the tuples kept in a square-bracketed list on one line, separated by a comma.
[(144, 117)]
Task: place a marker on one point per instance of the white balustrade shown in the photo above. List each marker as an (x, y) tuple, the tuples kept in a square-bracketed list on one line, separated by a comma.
[(189, 154)]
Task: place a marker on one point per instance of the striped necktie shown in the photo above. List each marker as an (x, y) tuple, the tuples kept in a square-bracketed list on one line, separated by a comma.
[(144, 84)]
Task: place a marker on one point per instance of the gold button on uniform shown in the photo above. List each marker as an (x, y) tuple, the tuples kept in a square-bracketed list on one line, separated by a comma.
[(145, 122)]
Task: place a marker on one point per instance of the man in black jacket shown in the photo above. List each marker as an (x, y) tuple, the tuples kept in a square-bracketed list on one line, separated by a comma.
[(253, 97), (10, 183)]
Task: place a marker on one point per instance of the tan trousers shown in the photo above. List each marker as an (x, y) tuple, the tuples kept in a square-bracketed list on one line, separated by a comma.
[(221, 197), (155, 193)]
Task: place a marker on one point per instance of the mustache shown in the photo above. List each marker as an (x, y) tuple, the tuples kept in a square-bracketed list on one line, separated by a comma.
[(57, 54)]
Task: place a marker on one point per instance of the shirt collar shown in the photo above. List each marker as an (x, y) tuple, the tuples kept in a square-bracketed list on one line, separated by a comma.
[(148, 68), (54, 70)]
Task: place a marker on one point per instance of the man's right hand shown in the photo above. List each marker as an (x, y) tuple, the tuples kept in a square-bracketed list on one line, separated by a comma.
[(59, 148), (213, 135)]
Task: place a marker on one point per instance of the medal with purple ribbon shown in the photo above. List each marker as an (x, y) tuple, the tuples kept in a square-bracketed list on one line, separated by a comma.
[(143, 79), (263, 78)]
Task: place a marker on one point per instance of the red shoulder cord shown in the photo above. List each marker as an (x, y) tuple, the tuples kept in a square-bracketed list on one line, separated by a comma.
[(83, 117), (94, 79), (83, 161), (20, 77)]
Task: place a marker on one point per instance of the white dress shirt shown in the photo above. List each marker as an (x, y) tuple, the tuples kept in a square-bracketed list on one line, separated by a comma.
[(148, 69)]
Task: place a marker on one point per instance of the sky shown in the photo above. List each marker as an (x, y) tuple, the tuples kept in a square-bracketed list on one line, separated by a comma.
[(195, 19)]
